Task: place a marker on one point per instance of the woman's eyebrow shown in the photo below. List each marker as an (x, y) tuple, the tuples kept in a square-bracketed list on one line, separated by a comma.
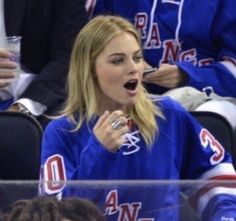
[(122, 54), (138, 51), (116, 54)]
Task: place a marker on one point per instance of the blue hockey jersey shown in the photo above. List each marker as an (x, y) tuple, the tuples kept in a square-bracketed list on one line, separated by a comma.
[(181, 150), (197, 36)]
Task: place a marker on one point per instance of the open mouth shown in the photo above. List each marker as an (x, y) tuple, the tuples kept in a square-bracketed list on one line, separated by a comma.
[(131, 85)]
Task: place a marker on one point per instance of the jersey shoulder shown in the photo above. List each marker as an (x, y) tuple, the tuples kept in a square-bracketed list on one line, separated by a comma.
[(166, 104), (61, 123)]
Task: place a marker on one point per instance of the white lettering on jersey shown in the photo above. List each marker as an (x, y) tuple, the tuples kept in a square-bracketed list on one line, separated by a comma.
[(189, 56), (130, 145), (140, 22), (171, 52), (129, 211), (54, 174), (206, 61), (170, 2), (207, 139), (154, 42), (111, 204), (126, 211)]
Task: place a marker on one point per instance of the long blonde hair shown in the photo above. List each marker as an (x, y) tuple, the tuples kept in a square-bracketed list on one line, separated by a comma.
[(83, 89)]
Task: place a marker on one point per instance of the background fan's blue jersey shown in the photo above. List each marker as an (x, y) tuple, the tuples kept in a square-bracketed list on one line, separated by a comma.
[(181, 150), (198, 36)]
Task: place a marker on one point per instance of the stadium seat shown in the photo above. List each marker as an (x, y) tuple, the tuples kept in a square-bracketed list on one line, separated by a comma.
[(220, 128), (20, 142)]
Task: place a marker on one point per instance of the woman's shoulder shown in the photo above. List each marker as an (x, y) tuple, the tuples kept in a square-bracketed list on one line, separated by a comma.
[(165, 103), (62, 122)]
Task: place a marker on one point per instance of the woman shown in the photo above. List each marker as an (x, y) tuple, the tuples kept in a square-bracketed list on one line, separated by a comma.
[(111, 129)]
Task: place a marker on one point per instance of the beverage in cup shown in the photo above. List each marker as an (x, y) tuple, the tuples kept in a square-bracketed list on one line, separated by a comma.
[(13, 45)]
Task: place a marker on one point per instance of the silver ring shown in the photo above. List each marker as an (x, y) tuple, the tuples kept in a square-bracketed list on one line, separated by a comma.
[(116, 124)]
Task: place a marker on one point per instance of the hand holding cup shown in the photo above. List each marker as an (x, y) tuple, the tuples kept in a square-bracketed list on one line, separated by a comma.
[(9, 60)]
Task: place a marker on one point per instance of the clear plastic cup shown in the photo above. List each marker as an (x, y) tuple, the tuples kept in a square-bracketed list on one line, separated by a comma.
[(12, 44)]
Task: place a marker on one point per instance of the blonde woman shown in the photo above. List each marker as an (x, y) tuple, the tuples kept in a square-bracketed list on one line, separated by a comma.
[(111, 129)]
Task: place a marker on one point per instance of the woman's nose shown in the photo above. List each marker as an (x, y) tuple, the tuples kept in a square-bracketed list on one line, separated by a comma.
[(132, 67)]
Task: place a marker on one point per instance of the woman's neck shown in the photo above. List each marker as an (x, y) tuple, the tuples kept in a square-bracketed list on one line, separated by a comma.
[(111, 109)]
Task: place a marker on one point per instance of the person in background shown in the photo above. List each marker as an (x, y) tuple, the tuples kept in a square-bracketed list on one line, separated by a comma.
[(48, 29), (112, 129), (191, 47), (52, 209)]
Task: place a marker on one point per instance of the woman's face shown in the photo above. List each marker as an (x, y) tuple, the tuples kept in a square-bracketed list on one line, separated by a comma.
[(119, 69)]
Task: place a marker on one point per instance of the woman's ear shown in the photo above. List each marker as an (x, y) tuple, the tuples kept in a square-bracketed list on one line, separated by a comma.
[(93, 72), (94, 76)]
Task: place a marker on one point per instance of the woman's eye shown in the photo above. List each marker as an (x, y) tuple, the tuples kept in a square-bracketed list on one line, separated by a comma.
[(138, 58), (117, 60)]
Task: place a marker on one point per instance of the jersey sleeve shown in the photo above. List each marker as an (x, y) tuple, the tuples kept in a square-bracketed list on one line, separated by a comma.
[(221, 74), (66, 156), (56, 160), (206, 159)]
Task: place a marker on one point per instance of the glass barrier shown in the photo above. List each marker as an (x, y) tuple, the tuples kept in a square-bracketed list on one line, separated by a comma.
[(124, 200)]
